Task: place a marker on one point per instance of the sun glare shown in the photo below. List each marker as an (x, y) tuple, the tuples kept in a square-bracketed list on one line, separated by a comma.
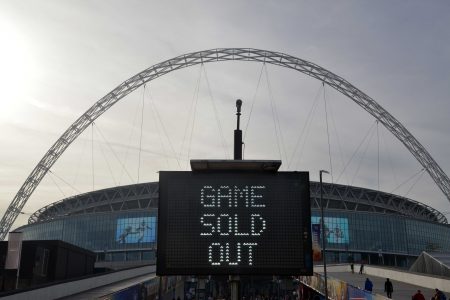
[(16, 71)]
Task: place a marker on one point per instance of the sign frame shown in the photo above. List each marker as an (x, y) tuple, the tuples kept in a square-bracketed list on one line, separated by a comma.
[(297, 193)]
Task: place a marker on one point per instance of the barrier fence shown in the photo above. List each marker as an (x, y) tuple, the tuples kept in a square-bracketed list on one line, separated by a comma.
[(337, 289), (310, 288), (148, 290)]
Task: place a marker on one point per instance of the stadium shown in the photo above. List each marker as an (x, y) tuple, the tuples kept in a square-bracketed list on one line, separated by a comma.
[(119, 223), (362, 225)]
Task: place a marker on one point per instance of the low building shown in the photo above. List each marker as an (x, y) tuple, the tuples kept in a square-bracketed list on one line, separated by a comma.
[(45, 261)]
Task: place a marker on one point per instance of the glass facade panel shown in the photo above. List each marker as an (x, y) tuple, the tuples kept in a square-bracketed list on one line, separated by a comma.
[(118, 256), (131, 235), (148, 255), (101, 232), (383, 233), (133, 255)]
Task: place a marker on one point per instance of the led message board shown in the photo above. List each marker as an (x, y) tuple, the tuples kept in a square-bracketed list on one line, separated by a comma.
[(234, 223)]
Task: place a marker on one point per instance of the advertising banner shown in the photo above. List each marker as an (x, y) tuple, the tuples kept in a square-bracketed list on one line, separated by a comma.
[(337, 289), (358, 294), (307, 293), (136, 230), (336, 229), (317, 250)]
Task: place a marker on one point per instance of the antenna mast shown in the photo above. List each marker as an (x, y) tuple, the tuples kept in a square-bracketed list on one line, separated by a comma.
[(238, 133)]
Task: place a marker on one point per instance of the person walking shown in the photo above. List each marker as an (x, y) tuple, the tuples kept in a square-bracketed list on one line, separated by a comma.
[(418, 296), (361, 268), (439, 295), (388, 288), (368, 286), (352, 267)]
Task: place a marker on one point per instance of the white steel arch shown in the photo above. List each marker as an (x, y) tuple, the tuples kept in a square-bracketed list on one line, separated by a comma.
[(216, 55)]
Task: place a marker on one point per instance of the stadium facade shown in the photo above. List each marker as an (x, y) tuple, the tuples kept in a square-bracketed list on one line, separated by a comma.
[(119, 225)]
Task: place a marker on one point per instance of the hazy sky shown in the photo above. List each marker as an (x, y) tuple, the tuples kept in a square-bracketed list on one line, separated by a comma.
[(58, 57)]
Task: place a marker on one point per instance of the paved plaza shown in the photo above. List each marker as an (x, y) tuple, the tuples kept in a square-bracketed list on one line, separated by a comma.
[(402, 291)]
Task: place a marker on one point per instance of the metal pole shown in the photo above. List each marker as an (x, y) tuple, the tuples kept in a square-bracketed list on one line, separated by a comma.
[(160, 288), (17, 277), (323, 234), (234, 279), (238, 133), (278, 289)]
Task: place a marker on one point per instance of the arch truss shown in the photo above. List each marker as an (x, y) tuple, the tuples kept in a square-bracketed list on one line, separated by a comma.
[(217, 55)]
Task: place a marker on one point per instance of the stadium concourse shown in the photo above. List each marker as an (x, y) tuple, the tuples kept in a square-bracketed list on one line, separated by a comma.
[(405, 284)]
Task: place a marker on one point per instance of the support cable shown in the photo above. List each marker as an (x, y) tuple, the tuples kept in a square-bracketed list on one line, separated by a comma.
[(362, 157), (190, 113), (194, 115), (106, 160), (305, 130), (80, 159), (328, 132), (59, 188), (415, 182), (122, 164), (276, 121), (341, 155), (160, 138), (391, 162), (356, 151), (165, 133), (254, 99), (329, 108), (128, 148), (216, 113), (108, 164), (407, 180), (68, 184), (140, 136)]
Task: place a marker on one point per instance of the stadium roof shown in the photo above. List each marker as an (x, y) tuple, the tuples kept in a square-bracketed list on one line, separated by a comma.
[(145, 196)]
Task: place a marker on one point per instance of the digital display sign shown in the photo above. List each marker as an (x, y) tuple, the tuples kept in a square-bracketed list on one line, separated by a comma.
[(135, 230), (234, 223), (336, 229)]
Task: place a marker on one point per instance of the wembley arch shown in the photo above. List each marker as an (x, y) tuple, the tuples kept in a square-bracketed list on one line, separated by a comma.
[(216, 55)]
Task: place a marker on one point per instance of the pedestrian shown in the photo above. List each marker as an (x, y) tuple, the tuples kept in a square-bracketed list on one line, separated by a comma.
[(388, 288), (352, 267), (439, 295), (361, 268), (418, 296), (368, 286)]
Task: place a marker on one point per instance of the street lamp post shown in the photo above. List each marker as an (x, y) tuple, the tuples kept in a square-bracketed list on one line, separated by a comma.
[(323, 234)]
